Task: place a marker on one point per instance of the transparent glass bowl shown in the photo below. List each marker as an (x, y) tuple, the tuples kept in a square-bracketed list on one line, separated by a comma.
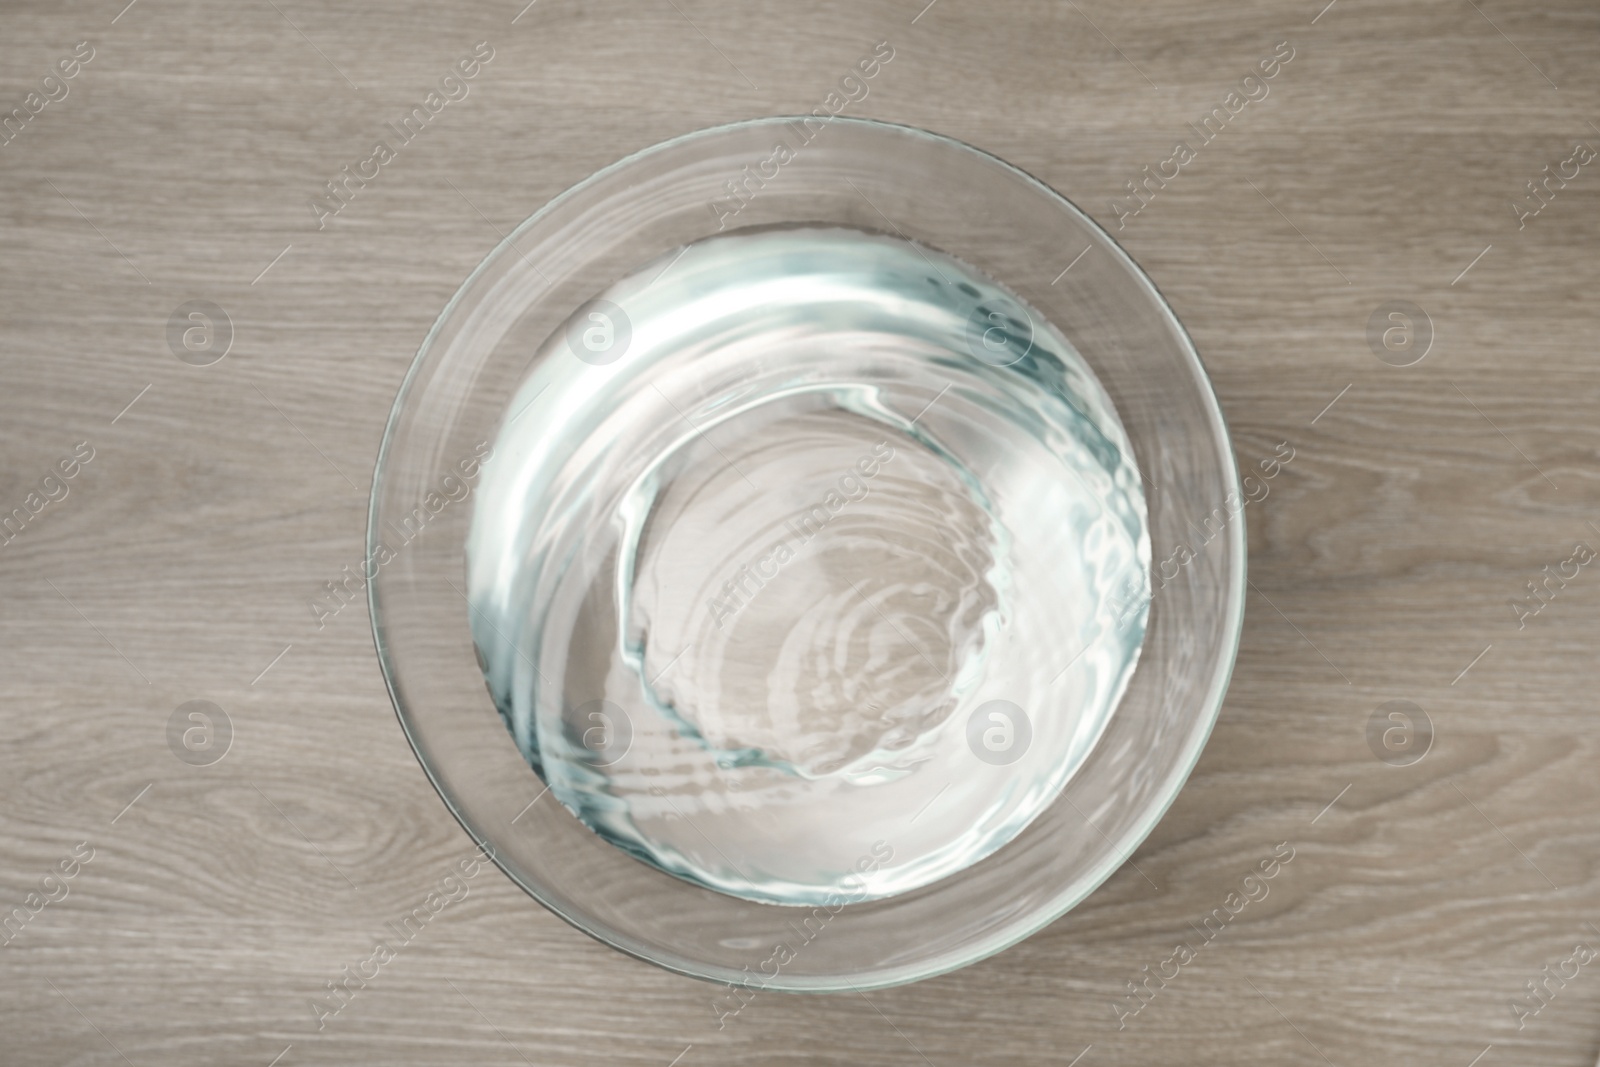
[(870, 176)]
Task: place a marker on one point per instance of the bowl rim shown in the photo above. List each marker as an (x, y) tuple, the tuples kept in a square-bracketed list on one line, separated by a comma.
[(1203, 724)]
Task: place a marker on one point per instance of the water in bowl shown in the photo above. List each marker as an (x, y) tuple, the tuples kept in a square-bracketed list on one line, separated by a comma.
[(809, 565)]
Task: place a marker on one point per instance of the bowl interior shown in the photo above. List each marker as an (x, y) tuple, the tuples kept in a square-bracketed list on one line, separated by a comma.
[(870, 176)]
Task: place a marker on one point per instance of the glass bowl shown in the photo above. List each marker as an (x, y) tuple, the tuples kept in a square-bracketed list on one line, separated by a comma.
[(867, 176)]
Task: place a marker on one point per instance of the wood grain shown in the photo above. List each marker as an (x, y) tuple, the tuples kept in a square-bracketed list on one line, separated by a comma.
[(179, 565)]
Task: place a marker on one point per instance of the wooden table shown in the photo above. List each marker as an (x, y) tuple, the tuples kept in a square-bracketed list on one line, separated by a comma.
[(1381, 166)]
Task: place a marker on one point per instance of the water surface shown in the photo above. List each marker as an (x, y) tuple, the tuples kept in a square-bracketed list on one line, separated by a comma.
[(802, 547)]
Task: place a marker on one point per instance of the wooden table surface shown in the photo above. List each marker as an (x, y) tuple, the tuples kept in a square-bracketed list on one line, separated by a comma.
[(210, 904)]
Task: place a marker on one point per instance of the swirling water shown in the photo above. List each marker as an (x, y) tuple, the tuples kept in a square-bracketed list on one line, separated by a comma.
[(804, 545)]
